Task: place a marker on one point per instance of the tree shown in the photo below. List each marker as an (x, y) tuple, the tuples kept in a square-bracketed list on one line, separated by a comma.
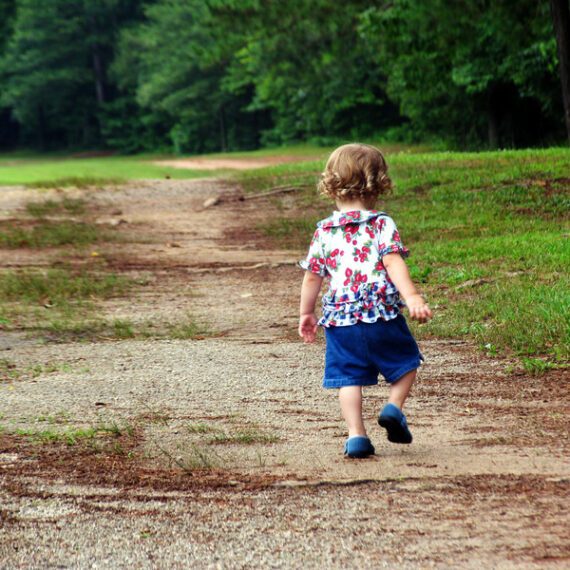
[(175, 62), (53, 70), (464, 70), (560, 11)]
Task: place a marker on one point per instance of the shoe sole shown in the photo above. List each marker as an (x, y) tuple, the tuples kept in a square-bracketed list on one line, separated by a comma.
[(351, 456), (395, 432)]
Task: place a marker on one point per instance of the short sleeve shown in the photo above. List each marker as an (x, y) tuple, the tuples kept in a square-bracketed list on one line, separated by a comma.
[(315, 262), (388, 237)]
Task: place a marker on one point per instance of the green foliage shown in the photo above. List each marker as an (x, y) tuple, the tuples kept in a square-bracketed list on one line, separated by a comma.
[(54, 68), (472, 72), (207, 75)]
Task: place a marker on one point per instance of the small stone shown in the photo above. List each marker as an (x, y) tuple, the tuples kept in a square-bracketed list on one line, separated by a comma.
[(213, 201), (118, 222)]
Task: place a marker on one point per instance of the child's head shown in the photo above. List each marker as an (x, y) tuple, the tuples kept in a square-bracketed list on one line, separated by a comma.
[(355, 172)]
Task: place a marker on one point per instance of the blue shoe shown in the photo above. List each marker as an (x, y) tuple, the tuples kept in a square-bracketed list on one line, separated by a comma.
[(358, 447), (392, 418)]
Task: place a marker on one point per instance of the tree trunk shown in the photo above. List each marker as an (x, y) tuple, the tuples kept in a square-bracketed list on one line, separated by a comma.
[(223, 141), (41, 128), (99, 76), (560, 10), (492, 118)]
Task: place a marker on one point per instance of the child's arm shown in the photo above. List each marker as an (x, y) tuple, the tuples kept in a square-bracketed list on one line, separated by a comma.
[(309, 293), (400, 276)]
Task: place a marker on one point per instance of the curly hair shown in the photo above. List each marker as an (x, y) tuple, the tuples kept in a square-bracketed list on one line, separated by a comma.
[(355, 172)]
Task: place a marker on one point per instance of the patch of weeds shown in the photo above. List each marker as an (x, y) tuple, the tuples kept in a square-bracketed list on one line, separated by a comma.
[(72, 206), (70, 436), (538, 366), (245, 436), (155, 415), (201, 427), (116, 429), (49, 234), (59, 286), (70, 329), (75, 436), (186, 330), (8, 371), (57, 418), (123, 329), (41, 369), (202, 457), (76, 182), (198, 457)]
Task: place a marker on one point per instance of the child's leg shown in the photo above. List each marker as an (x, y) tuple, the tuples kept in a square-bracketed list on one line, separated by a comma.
[(350, 398), (399, 390)]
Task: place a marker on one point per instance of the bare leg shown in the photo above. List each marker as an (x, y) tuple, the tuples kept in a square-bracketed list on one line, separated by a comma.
[(399, 390), (350, 398)]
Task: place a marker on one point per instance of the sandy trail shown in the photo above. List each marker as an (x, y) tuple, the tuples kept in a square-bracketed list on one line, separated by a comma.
[(483, 485), (229, 163)]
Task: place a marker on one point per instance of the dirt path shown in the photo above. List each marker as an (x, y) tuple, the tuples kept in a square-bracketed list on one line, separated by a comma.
[(229, 163), (234, 459)]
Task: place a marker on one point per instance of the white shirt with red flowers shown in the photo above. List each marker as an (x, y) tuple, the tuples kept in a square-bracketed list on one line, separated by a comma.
[(347, 248)]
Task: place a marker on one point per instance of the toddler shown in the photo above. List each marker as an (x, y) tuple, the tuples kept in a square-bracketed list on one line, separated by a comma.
[(360, 251)]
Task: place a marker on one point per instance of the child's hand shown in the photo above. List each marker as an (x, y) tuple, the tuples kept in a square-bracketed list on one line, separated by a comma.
[(308, 327), (418, 308)]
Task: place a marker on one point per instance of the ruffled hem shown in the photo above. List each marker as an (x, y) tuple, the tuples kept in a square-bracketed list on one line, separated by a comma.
[(341, 319), (369, 303)]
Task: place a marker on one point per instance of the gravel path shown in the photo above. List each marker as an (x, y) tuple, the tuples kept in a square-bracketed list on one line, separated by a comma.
[(250, 443)]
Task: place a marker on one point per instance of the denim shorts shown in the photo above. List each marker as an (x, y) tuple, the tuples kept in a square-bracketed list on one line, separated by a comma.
[(356, 354)]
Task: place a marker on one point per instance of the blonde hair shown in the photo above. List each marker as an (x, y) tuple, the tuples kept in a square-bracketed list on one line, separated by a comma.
[(355, 171)]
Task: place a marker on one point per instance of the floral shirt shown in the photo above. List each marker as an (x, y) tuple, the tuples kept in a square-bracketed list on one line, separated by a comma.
[(347, 248)]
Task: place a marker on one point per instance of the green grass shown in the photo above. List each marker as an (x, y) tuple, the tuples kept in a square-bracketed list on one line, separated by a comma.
[(244, 436), (489, 239), (218, 435), (76, 435), (59, 304), (65, 206), (59, 286), (48, 234), (59, 171)]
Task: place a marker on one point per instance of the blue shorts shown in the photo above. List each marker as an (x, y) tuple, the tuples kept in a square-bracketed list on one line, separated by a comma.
[(356, 354)]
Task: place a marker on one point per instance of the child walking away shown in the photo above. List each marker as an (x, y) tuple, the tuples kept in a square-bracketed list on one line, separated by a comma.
[(360, 251)]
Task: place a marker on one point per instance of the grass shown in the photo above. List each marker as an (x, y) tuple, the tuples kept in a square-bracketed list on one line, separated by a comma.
[(48, 234), (217, 435), (76, 435), (59, 287), (67, 205), (41, 232), (244, 436), (57, 170), (45, 171), (59, 304), (9, 371), (489, 239)]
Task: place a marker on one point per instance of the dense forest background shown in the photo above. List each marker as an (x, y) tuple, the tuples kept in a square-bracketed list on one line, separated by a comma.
[(207, 75)]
